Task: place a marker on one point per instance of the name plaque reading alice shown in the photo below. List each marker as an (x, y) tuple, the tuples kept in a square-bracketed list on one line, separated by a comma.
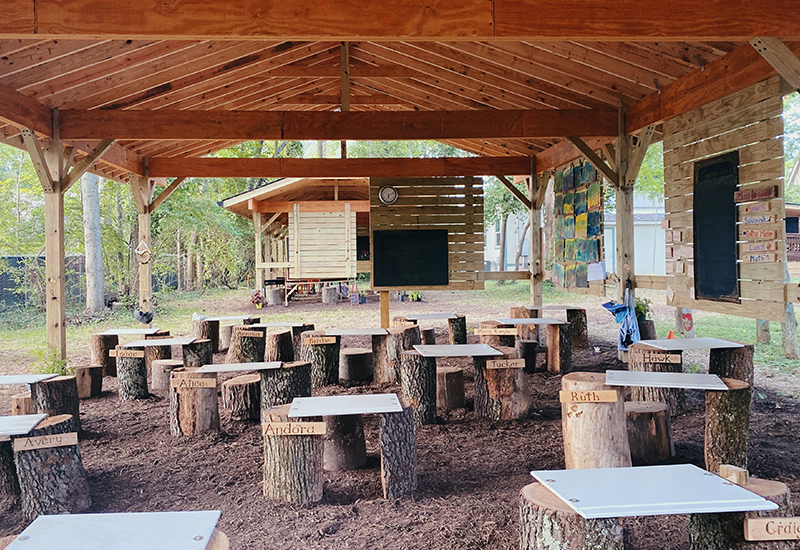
[(505, 364), (45, 441), (126, 353), (293, 428), (496, 331), (588, 396), (645, 356), (194, 382), (318, 340), (772, 528), (250, 333)]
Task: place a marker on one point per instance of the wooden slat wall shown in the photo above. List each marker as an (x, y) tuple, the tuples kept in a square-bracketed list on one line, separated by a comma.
[(455, 204), (322, 245), (750, 121)]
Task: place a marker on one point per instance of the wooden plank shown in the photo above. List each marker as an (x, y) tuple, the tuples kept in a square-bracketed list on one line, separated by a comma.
[(594, 159), (45, 441), (503, 275), (587, 396), (309, 206), (762, 272), (761, 171), (761, 131), (782, 60), (23, 111), (754, 309)]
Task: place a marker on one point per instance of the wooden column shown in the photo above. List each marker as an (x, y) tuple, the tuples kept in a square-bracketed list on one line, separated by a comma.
[(623, 188), (536, 192), (55, 272), (259, 251), (142, 189), (384, 308)]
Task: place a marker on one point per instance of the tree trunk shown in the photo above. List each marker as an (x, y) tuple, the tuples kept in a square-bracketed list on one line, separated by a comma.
[(355, 366), (324, 358), (52, 480), (345, 446), (501, 260), (727, 425), (278, 346), (241, 397), (225, 333), (507, 396), (198, 353), (398, 452), (525, 332), (449, 388), (736, 363), (9, 483), (418, 383), (559, 348), (192, 410), (576, 317), (99, 346), (528, 350), (93, 244), (649, 432), (156, 353), (90, 381), (281, 386), (21, 403), (762, 332), (190, 252), (427, 337), (207, 330), (160, 372), (458, 330), (387, 348), (57, 396), (521, 243), (674, 398), (647, 330), (297, 338), (178, 274), (199, 281), (595, 434), (245, 349), (496, 340), (132, 374), (546, 523)]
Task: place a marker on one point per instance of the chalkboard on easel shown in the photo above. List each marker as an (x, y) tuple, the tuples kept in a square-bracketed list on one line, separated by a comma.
[(716, 275), (410, 257)]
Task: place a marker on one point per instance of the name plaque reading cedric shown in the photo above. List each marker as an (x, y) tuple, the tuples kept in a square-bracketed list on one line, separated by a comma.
[(250, 333), (126, 353), (45, 441), (646, 356), (317, 340), (194, 382), (505, 363), (587, 396), (293, 428), (496, 331), (772, 528)]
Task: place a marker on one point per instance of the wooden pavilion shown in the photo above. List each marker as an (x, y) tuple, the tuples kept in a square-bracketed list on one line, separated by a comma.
[(141, 92)]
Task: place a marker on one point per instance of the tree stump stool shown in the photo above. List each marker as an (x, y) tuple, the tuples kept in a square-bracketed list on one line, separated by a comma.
[(457, 330), (225, 333), (647, 330), (132, 373), (297, 338), (675, 398), (154, 353), (725, 532), (52, 480), (727, 424), (281, 386), (559, 348), (528, 350), (9, 483), (427, 337), (500, 393), (576, 317), (449, 388), (274, 296), (293, 464), (323, 353), (90, 381), (345, 446), (99, 347), (649, 432), (160, 372), (206, 330), (355, 366), (386, 350), (57, 396), (398, 452), (241, 397), (736, 363), (418, 383), (278, 346), (247, 348), (193, 404), (21, 403), (595, 434), (546, 523), (198, 354), (525, 332), (330, 294), (495, 340)]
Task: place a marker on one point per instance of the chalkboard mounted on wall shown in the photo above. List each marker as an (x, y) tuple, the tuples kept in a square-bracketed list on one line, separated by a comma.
[(409, 258), (716, 275)]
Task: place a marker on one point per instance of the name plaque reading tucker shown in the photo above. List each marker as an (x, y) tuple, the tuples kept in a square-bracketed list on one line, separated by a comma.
[(318, 340), (250, 333), (505, 363), (194, 382), (588, 396), (496, 331), (772, 528), (645, 356), (126, 353), (293, 428), (45, 441)]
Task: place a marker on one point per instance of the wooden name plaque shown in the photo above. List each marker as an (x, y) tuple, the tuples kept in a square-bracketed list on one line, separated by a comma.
[(157, 336), (250, 333), (757, 219), (293, 428), (758, 258), (756, 234), (126, 353), (505, 364), (45, 441), (769, 192), (588, 396), (318, 340), (646, 356), (496, 331), (756, 207), (763, 246), (403, 323), (194, 382), (772, 528)]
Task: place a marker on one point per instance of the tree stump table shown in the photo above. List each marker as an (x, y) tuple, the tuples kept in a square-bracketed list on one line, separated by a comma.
[(22, 403), (160, 372), (89, 380), (528, 350), (727, 424), (132, 373), (641, 358), (427, 336), (507, 396), (99, 347), (457, 329), (57, 396), (559, 340), (649, 432), (247, 345), (491, 334), (387, 348), (449, 388), (9, 482), (207, 329), (225, 334), (355, 366), (576, 318), (322, 352), (193, 404), (198, 353), (156, 352), (241, 397), (525, 332), (280, 386), (418, 384), (279, 346)]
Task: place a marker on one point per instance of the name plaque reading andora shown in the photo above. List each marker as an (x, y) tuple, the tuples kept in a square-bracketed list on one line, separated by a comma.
[(293, 428), (45, 441), (588, 396), (505, 364), (194, 382)]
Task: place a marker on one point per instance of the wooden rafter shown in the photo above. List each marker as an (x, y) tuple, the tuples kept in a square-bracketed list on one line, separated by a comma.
[(780, 57), (514, 191)]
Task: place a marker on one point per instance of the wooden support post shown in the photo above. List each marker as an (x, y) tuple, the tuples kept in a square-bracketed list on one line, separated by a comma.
[(132, 374), (55, 275), (281, 386), (674, 398), (457, 329), (241, 397), (384, 308), (257, 221), (684, 322), (536, 191), (762, 331), (559, 348), (323, 356), (57, 396), (278, 346), (207, 330), (398, 452), (418, 383), (624, 210), (345, 445), (99, 346), (193, 409), (145, 267)]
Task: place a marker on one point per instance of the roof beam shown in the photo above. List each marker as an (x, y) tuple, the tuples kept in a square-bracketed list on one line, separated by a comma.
[(164, 195), (780, 57), (335, 99), (83, 166), (319, 168), (407, 125), (24, 112)]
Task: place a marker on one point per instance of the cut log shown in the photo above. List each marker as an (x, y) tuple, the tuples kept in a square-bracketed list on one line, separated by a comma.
[(132, 373), (160, 373), (546, 523), (192, 410), (218, 541), (647, 330), (402, 321), (251, 321), (559, 348), (281, 386), (90, 381), (52, 480), (576, 317), (427, 337), (198, 354), (725, 532), (9, 483), (449, 388), (330, 295), (278, 346), (736, 363), (246, 349), (154, 353), (5, 541), (274, 296), (297, 338), (398, 452), (207, 330), (525, 332), (418, 383), (675, 398), (727, 425), (387, 349), (241, 397), (99, 347), (225, 333), (528, 350), (345, 446), (507, 395), (324, 358), (457, 330), (595, 434), (355, 366), (494, 340), (21, 403), (58, 396), (649, 432)]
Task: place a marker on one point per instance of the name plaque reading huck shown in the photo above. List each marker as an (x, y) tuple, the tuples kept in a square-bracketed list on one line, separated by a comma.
[(643, 356)]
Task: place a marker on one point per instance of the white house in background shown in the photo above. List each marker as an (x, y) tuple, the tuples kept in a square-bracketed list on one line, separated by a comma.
[(491, 249)]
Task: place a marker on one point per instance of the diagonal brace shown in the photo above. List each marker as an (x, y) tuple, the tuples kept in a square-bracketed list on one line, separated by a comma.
[(514, 191), (594, 159)]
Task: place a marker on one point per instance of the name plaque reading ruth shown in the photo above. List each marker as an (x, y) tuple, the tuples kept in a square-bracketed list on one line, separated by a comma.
[(588, 396)]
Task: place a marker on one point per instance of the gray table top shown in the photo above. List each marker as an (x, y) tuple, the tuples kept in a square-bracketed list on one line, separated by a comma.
[(130, 331), (460, 350), (237, 367), (229, 318), (552, 306), (284, 324), (534, 321), (685, 380), (422, 316), (341, 405), (687, 344), (356, 332), (19, 424), (175, 341), (12, 379)]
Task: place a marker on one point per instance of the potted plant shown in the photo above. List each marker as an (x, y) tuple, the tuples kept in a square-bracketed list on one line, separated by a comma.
[(258, 299), (415, 296), (642, 308)]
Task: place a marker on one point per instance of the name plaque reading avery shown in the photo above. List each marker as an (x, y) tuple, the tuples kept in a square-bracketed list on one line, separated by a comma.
[(45, 441), (250, 333), (772, 528), (318, 340), (126, 353), (646, 356), (587, 396), (293, 428), (505, 363), (194, 382), (496, 331)]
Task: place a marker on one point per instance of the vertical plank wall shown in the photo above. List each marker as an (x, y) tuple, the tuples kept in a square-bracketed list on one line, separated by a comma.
[(322, 245), (749, 121)]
